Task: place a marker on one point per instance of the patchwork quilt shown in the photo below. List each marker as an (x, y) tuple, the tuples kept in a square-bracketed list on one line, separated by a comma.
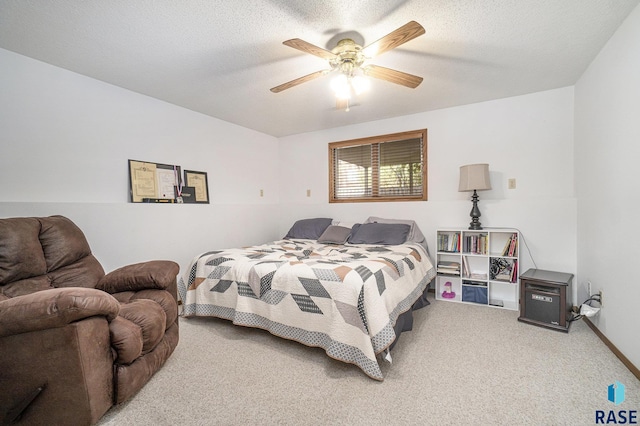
[(344, 299)]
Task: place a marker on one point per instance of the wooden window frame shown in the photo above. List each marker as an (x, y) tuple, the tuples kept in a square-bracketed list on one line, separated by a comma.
[(374, 141)]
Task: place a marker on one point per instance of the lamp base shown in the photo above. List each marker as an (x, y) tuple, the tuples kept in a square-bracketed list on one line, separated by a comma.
[(475, 225), (475, 213)]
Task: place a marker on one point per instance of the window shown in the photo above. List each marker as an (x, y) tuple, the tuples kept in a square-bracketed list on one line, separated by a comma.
[(380, 168)]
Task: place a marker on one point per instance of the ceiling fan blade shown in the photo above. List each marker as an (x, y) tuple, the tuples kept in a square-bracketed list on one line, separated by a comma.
[(393, 76), (297, 81), (405, 33), (307, 47)]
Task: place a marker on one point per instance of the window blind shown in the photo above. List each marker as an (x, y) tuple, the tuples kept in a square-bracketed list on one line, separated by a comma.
[(389, 169)]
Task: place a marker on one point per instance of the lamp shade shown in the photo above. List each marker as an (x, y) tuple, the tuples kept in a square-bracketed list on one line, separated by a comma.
[(474, 177)]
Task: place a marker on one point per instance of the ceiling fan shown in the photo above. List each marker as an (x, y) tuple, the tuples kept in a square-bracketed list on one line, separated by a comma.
[(348, 58)]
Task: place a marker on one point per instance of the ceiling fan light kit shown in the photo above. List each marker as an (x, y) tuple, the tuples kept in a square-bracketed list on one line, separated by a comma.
[(348, 59), (345, 86)]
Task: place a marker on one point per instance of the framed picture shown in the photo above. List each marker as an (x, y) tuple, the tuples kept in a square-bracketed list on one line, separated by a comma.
[(196, 189), (153, 182)]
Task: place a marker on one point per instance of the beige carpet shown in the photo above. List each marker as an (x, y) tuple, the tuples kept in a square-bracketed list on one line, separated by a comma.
[(461, 364)]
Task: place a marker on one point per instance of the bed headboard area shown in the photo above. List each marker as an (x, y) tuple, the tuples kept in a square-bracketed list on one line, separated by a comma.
[(373, 230)]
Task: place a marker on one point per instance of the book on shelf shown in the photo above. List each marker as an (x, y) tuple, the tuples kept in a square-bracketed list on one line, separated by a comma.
[(511, 246), (448, 267), (448, 264), (514, 244), (514, 272), (449, 242), (465, 267), (449, 272), (476, 244), (478, 276), (505, 250)]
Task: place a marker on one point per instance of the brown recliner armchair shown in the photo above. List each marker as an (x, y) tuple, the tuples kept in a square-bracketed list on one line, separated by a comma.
[(74, 341)]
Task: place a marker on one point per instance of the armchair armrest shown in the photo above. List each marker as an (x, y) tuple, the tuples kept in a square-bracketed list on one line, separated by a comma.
[(54, 308), (155, 274)]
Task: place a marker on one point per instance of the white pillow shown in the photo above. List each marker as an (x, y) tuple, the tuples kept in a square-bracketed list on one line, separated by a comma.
[(345, 224)]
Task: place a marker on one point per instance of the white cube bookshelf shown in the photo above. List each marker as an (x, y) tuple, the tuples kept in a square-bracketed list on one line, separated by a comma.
[(478, 266)]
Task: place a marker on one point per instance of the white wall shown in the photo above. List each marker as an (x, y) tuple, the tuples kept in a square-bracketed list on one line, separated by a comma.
[(64, 144), (607, 151), (529, 138), (66, 140)]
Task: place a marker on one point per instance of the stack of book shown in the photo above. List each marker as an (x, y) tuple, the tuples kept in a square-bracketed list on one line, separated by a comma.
[(448, 267)]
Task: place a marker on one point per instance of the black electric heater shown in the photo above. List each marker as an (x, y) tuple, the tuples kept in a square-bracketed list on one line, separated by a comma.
[(543, 299), (542, 304)]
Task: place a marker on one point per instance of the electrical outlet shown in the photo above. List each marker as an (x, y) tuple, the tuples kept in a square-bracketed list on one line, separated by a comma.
[(511, 183), (308, 193), (262, 192)]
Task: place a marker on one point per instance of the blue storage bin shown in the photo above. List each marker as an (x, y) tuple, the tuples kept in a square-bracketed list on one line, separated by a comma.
[(475, 294)]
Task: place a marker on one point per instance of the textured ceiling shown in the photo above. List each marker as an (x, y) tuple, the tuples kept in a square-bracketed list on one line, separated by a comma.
[(221, 57)]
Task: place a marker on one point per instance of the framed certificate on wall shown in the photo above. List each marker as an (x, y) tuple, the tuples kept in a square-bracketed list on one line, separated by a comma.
[(197, 181), (153, 182)]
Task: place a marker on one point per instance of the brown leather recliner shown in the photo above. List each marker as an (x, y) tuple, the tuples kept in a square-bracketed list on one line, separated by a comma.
[(74, 341)]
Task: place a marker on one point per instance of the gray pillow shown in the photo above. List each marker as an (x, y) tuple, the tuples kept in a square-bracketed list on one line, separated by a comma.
[(380, 233), (414, 232), (308, 229), (335, 234)]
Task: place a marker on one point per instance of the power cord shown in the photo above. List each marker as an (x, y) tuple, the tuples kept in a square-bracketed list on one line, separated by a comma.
[(577, 315), (523, 240), (574, 315)]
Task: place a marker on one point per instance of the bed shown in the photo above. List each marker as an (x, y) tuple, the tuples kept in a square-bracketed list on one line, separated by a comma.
[(348, 289)]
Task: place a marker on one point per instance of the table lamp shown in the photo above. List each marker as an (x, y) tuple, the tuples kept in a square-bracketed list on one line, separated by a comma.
[(474, 177)]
